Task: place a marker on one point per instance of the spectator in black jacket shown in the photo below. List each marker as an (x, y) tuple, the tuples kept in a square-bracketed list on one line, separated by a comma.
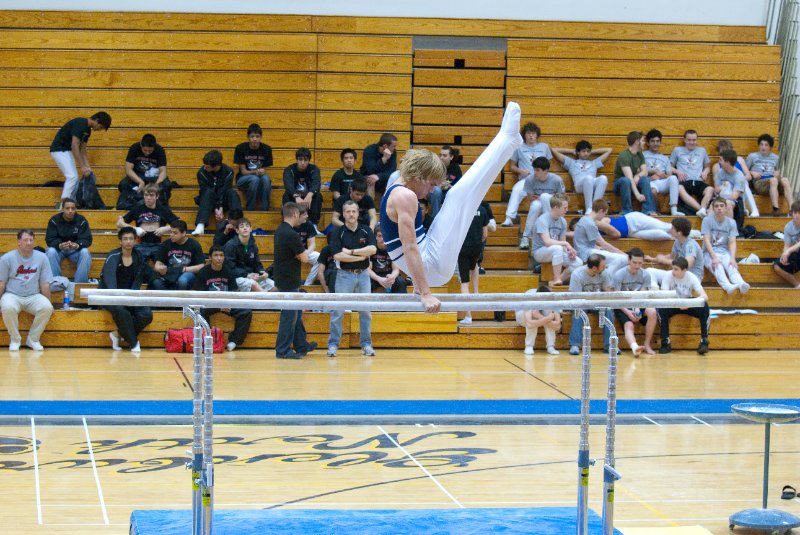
[(302, 183), (217, 193), (126, 268), (68, 236), (380, 161), (226, 229), (241, 256), (218, 277)]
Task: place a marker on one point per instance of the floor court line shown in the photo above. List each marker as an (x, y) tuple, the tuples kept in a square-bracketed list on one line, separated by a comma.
[(407, 454), (96, 476), (701, 421), (652, 421), (36, 472)]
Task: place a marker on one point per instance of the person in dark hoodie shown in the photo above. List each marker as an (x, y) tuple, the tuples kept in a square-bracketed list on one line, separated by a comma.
[(68, 236), (126, 268), (216, 191), (302, 183), (241, 255)]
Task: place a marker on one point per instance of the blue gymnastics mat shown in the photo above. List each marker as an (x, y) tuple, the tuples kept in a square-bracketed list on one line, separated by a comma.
[(541, 521)]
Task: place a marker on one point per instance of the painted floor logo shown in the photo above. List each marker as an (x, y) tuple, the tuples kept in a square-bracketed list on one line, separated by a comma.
[(329, 450)]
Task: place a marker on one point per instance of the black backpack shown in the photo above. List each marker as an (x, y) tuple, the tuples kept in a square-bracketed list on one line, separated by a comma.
[(87, 195)]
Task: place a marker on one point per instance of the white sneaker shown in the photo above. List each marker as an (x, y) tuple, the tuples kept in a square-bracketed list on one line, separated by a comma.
[(231, 346), (695, 234), (318, 231), (778, 235), (752, 258), (13, 346), (136, 349), (36, 346), (507, 222), (552, 351), (675, 212), (199, 229), (744, 288), (755, 214), (114, 342), (332, 350), (367, 351), (574, 350), (524, 244), (702, 212), (466, 321), (528, 350)]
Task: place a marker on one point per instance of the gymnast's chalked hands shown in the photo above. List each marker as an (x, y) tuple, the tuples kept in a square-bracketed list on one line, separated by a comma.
[(431, 304)]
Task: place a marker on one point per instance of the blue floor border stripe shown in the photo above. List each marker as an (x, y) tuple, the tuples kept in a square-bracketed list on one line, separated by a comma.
[(371, 407)]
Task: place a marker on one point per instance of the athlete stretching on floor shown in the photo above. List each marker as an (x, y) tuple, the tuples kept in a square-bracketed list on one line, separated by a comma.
[(431, 258)]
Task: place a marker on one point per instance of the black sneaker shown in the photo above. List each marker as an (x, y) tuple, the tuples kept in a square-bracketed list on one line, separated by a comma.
[(702, 349), (666, 347), (311, 347), (290, 355)]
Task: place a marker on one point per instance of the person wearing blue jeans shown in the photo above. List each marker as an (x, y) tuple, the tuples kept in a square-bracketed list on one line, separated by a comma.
[(352, 245), (69, 236), (593, 277), (178, 260), (631, 178), (253, 158)]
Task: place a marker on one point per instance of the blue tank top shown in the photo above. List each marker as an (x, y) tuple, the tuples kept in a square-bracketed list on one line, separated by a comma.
[(391, 234), (621, 224)]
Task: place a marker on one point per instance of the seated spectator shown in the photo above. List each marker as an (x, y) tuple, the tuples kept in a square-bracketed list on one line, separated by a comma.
[(632, 278), (146, 163), (719, 243), (126, 268), (380, 161), (382, 271), (730, 184), (685, 284), (352, 245), (69, 148), (789, 262), (153, 221), (540, 187), (684, 246), (308, 237), (342, 178), (522, 166), (243, 260), (631, 178), (550, 241), (690, 164), (449, 157), (218, 277), (767, 179), (178, 260), (253, 157), (584, 171), (226, 229), (425, 209), (302, 183), (217, 195), (533, 319), (470, 253), (659, 169), (741, 165), (593, 277), (25, 279), (327, 270), (587, 239), (68, 236), (492, 227), (366, 205)]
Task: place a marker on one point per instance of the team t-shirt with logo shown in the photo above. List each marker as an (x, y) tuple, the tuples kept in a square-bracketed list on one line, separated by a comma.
[(23, 275)]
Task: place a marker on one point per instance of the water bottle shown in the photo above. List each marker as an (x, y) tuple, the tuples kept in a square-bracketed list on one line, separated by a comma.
[(66, 299)]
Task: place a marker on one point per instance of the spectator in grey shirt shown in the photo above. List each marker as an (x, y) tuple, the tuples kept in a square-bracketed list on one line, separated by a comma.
[(25, 278)]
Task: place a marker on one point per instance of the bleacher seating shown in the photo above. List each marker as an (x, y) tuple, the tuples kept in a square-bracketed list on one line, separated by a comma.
[(197, 80)]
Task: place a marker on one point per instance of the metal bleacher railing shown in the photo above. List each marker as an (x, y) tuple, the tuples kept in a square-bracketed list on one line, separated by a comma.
[(783, 20)]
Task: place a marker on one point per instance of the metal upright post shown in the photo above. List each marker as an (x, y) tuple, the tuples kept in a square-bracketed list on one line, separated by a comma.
[(208, 433), (610, 474), (196, 464), (584, 462)]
